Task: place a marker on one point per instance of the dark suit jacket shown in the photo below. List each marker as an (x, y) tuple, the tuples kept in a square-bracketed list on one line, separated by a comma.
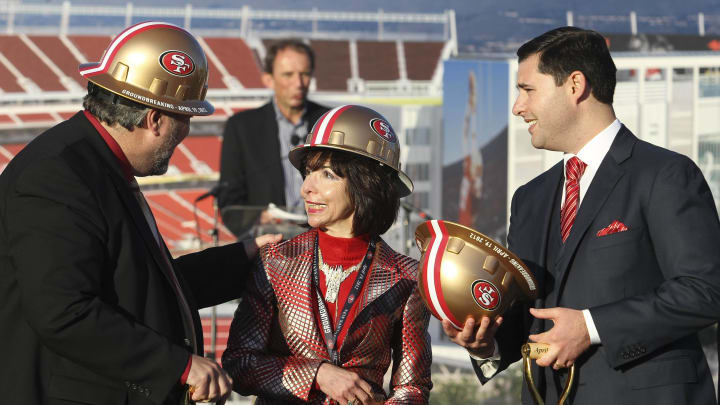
[(250, 165), (649, 289), (88, 315)]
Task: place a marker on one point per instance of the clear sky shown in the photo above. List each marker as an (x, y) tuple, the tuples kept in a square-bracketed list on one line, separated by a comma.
[(483, 21)]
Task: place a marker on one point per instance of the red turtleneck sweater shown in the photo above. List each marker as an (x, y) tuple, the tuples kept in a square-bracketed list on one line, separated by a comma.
[(345, 252)]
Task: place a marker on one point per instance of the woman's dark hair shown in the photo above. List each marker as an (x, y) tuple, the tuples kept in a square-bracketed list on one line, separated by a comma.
[(370, 187)]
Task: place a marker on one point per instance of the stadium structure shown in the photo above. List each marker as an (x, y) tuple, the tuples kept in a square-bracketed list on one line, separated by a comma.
[(390, 61), (40, 86)]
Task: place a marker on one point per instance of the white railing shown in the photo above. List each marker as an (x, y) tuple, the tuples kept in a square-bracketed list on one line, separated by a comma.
[(243, 21), (399, 87)]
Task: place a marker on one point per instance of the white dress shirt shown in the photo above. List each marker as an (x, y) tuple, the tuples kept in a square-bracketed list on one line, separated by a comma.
[(592, 154), (293, 178)]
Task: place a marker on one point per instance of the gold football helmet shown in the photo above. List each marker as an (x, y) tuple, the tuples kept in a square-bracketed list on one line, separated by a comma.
[(156, 64), (465, 273), (360, 130)]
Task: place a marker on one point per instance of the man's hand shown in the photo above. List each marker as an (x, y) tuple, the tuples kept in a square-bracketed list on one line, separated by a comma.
[(343, 385), (208, 381), (263, 240), (252, 245), (568, 338), (267, 218), (478, 340)]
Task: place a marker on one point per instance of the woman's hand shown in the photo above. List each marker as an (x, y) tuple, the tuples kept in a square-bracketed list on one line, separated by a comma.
[(343, 385), (263, 240)]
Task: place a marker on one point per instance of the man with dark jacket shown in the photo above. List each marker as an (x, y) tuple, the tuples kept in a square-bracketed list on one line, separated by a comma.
[(93, 308), (254, 165)]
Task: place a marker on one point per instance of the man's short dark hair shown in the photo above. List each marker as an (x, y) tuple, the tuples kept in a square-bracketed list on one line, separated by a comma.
[(370, 187), (290, 43), (113, 109), (567, 49)]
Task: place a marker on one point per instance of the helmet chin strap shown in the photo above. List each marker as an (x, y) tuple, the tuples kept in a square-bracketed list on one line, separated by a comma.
[(112, 98)]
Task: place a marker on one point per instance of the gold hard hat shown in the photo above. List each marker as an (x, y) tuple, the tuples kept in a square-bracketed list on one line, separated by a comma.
[(465, 273), (156, 64), (356, 129)]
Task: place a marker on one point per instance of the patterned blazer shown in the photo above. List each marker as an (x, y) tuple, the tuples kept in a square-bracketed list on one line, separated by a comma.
[(276, 345)]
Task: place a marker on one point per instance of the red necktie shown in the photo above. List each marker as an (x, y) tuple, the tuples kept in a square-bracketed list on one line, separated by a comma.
[(574, 169)]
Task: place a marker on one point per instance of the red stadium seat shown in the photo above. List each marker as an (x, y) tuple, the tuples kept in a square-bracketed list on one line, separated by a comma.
[(238, 59)]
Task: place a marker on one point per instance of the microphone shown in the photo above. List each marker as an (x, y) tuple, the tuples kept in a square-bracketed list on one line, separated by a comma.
[(411, 208), (212, 192), (294, 140)]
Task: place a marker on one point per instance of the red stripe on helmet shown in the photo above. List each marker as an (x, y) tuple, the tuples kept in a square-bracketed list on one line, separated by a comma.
[(437, 267), (325, 129), (317, 126), (119, 41), (427, 269)]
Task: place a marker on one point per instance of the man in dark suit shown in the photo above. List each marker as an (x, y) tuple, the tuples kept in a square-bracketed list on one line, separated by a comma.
[(93, 308), (254, 165), (622, 235)]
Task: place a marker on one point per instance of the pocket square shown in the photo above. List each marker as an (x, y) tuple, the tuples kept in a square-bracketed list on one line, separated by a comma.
[(615, 227)]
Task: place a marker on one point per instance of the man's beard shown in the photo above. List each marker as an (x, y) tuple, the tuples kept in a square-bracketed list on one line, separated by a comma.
[(161, 157)]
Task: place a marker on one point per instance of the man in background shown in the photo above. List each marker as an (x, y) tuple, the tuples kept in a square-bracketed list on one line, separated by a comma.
[(254, 165)]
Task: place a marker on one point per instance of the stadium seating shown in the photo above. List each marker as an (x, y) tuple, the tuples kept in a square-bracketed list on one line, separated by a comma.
[(238, 59), (91, 47), (41, 63), (8, 81), (332, 69), (29, 65), (175, 215), (60, 55), (45, 64), (378, 60), (421, 59), (222, 333)]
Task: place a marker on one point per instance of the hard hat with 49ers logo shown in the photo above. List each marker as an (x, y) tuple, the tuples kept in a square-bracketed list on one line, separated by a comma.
[(156, 64), (465, 273), (360, 130)]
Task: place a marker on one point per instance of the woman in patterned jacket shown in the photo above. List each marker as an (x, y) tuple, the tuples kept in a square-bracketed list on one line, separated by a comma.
[(328, 310)]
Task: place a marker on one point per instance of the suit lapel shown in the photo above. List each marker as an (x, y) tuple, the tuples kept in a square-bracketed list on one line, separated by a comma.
[(543, 209), (125, 192), (545, 205), (607, 176), (133, 207), (272, 149)]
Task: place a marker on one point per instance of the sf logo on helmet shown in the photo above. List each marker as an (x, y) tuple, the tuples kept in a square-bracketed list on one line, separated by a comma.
[(177, 62), (382, 128), (485, 294)]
